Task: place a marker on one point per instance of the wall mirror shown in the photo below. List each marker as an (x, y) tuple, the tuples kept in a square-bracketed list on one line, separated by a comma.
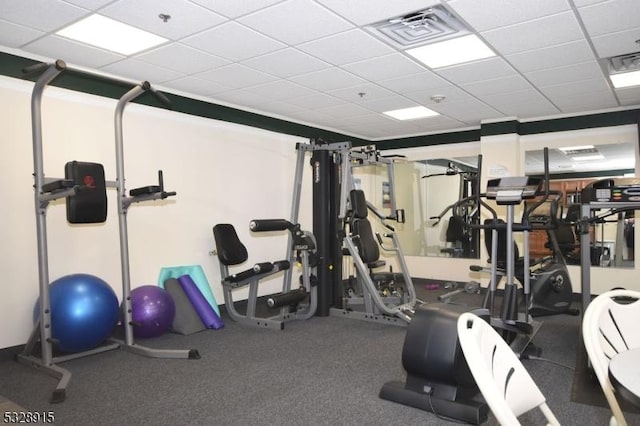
[(575, 161), (426, 189)]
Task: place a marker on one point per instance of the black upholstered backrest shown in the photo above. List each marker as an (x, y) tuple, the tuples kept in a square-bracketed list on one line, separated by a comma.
[(358, 204), (229, 248), (365, 241)]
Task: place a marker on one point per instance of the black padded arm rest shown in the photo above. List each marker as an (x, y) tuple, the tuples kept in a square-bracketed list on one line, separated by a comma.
[(262, 267), (282, 265), (241, 276)]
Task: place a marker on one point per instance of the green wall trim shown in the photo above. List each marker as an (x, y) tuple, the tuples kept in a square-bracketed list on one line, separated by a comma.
[(429, 140), (500, 128), (12, 65)]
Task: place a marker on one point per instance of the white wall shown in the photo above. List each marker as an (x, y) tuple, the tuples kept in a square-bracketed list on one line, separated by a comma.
[(222, 172)]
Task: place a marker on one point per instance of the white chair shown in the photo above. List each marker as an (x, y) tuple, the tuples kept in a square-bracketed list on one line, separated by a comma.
[(505, 384), (608, 328)]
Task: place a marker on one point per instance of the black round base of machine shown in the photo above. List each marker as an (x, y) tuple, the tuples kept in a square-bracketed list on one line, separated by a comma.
[(438, 378)]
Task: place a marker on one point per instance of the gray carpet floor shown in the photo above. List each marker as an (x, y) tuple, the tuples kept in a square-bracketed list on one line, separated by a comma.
[(324, 371)]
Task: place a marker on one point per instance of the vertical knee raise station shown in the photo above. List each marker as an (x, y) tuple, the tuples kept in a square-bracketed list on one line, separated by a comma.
[(84, 188)]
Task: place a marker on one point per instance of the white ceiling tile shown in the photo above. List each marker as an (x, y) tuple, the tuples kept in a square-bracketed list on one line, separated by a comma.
[(580, 3), (75, 53), (51, 14), (240, 97), (497, 85), (575, 88), (316, 100), (494, 14), (350, 46), (571, 73), (286, 63), (450, 93), (361, 93), (409, 83), (14, 35), (182, 58), (524, 103), (89, 4), (235, 8), (629, 95), (615, 44), (551, 57), (281, 108), (440, 122), (186, 18), (281, 90), (363, 12), (344, 111), (535, 34), (282, 22), (476, 71), (328, 79), (611, 16), (384, 67), (233, 41), (142, 71), (468, 111), (592, 100), (236, 76), (388, 104), (310, 116), (196, 86)]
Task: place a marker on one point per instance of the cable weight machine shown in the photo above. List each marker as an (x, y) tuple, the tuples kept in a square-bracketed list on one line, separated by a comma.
[(50, 189)]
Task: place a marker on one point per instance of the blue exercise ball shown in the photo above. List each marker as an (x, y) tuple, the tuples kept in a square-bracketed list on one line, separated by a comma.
[(152, 311), (84, 310)]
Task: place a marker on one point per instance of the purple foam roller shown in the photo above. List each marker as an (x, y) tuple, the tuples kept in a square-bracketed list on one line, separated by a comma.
[(208, 316)]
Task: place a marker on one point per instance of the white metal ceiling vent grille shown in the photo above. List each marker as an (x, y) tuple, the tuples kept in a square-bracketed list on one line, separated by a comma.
[(624, 63), (427, 26)]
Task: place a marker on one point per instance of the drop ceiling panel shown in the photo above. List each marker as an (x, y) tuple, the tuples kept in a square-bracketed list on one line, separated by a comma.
[(411, 83), (629, 96), (89, 4), (573, 88), (14, 35), (236, 76), (388, 104), (384, 67), (316, 100), (615, 44), (141, 71), (235, 8), (450, 93), (233, 41), (328, 79), (568, 74), (535, 34), (196, 85), (276, 22), (350, 46), (497, 85), (280, 90), (181, 58), (552, 57), (524, 103), (286, 63), (494, 14), (73, 52), (595, 100), (476, 71), (186, 18), (467, 111), (344, 111), (43, 15), (361, 93), (611, 16)]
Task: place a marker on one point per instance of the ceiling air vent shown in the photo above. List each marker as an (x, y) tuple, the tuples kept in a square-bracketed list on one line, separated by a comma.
[(433, 24), (624, 63)]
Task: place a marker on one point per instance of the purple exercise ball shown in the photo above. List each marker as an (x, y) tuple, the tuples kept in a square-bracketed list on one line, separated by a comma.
[(152, 311)]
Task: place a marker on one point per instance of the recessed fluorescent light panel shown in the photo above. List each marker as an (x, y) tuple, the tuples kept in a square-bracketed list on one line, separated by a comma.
[(106, 33), (578, 149), (626, 79), (411, 113), (588, 157), (451, 52)]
